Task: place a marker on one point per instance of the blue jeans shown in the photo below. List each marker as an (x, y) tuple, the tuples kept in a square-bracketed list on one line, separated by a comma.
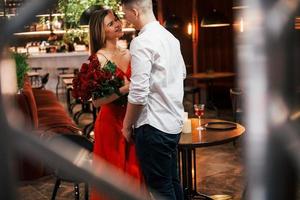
[(157, 154)]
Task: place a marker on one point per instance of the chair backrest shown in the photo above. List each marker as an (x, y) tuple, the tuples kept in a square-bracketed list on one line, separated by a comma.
[(236, 96), (45, 79)]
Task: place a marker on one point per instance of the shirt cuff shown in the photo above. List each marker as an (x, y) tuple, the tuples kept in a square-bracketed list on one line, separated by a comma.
[(137, 100)]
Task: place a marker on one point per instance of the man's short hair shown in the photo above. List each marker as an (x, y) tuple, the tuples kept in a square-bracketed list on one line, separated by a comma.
[(144, 5)]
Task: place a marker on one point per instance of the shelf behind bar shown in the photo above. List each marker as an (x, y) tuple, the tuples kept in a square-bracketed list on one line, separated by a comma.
[(53, 15), (126, 30)]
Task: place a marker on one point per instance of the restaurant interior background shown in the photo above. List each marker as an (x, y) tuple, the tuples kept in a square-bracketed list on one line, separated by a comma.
[(267, 67), (204, 48)]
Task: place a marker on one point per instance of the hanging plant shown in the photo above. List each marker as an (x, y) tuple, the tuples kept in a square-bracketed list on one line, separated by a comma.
[(22, 67)]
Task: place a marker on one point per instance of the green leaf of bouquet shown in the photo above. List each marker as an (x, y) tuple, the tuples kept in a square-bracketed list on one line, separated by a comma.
[(110, 66)]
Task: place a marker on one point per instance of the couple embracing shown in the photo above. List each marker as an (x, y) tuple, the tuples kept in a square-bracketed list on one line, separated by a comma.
[(140, 138)]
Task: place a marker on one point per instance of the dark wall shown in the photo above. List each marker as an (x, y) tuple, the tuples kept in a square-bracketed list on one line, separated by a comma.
[(215, 44), (215, 47), (183, 10)]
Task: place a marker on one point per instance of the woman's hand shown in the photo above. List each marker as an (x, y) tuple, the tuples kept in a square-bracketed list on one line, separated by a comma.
[(127, 133), (125, 88), (104, 100), (96, 103)]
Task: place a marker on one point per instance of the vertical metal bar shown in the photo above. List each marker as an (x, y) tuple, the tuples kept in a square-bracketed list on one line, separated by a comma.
[(253, 73), (7, 182), (282, 56), (7, 178), (266, 77)]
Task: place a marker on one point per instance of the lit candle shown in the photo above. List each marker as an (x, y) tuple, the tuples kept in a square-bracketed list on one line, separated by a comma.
[(187, 126)]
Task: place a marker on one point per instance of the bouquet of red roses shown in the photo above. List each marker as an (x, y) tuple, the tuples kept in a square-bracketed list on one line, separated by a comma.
[(94, 81)]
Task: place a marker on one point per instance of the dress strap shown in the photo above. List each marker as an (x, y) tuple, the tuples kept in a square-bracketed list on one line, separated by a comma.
[(103, 56)]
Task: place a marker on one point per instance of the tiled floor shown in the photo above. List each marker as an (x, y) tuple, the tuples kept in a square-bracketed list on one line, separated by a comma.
[(220, 170)]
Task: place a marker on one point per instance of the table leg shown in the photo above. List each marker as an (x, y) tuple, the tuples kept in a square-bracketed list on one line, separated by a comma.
[(189, 183), (190, 171), (69, 90), (179, 164), (195, 171), (56, 89), (184, 173)]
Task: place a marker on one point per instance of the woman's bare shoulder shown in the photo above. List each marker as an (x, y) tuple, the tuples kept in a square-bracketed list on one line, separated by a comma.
[(101, 57)]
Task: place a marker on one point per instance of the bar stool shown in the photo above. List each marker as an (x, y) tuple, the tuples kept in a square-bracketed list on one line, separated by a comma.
[(87, 130), (44, 80), (35, 76), (85, 108), (62, 70), (35, 68)]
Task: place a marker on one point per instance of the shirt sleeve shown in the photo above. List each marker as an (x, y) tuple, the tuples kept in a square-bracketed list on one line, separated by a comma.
[(182, 61), (141, 65)]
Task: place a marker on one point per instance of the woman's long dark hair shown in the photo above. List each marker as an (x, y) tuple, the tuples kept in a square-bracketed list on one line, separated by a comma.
[(96, 30)]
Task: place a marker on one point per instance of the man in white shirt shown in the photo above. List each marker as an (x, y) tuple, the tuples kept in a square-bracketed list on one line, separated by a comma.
[(155, 108)]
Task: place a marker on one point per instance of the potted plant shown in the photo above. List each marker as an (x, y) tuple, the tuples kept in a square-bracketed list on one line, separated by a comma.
[(22, 67), (73, 9), (75, 36)]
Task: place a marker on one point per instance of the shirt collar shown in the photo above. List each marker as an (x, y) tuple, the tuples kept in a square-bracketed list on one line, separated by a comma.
[(147, 26)]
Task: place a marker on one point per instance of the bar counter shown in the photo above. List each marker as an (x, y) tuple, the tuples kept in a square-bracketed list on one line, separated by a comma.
[(49, 62)]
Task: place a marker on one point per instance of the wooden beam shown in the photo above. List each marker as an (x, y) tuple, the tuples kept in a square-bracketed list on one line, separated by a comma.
[(160, 16), (195, 36)]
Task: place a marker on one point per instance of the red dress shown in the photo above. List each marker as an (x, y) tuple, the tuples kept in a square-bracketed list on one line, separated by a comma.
[(111, 145)]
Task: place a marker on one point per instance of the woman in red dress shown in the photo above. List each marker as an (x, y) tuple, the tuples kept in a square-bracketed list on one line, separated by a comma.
[(110, 145)]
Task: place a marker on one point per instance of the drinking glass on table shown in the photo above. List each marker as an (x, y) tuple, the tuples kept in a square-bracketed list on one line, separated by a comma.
[(199, 112)]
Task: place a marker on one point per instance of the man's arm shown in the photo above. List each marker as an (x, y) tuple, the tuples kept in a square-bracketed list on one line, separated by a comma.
[(140, 84), (132, 114)]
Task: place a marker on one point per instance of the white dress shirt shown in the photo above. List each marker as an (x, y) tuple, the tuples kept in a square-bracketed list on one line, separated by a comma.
[(158, 71)]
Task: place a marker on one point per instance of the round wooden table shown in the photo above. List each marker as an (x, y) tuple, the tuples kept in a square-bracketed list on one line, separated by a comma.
[(197, 139)]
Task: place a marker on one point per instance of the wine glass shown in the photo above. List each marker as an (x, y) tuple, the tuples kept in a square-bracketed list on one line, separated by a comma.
[(199, 111)]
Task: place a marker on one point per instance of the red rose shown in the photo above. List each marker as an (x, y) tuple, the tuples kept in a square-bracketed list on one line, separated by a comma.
[(84, 68), (107, 75), (93, 80)]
